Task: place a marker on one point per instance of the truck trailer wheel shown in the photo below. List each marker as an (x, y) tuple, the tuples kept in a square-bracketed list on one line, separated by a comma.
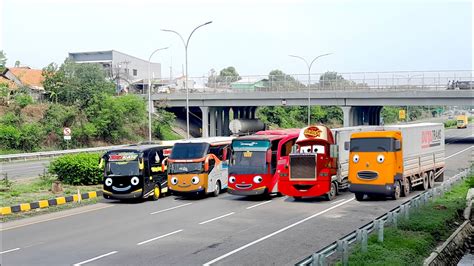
[(332, 192), (431, 180), (406, 187), (425, 181), (397, 190), (359, 196)]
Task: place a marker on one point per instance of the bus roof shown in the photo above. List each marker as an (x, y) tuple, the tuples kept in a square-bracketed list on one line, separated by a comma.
[(285, 131), (261, 137), (211, 140), (139, 148)]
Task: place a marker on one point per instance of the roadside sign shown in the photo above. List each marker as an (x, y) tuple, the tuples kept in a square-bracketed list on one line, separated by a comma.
[(67, 133), (401, 114)]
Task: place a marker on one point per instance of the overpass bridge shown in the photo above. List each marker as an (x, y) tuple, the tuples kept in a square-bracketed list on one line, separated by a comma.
[(361, 96)]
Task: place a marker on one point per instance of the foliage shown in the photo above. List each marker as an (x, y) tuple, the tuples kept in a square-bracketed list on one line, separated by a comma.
[(296, 116), (73, 83), (23, 99), (414, 239), (279, 79), (30, 137), (3, 60), (9, 137), (4, 93), (226, 75), (10, 119), (162, 124), (77, 169), (450, 123)]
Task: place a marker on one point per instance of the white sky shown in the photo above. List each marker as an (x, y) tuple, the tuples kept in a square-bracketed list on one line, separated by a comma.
[(254, 36)]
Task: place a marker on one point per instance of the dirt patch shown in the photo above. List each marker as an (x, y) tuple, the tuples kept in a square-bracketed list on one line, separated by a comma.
[(34, 112), (3, 110)]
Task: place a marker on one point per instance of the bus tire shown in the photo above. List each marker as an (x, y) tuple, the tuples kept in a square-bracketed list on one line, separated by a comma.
[(296, 198), (332, 192), (359, 196), (217, 190), (397, 190), (156, 193), (425, 181), (431, 180), (405, 187)]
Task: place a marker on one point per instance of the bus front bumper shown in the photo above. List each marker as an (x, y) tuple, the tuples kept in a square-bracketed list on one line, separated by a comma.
[(386, 190), (253, 192), (132, 195), (188, 193)]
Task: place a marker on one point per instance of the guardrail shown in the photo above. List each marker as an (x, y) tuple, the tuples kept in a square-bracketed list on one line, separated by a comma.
[(50, 154), (360, 235)]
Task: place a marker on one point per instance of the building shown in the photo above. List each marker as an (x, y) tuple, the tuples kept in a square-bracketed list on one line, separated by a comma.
[(125, 70), (24, 77), (251, 84)]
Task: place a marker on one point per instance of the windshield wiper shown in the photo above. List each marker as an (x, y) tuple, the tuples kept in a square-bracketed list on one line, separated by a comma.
[(381, 148)]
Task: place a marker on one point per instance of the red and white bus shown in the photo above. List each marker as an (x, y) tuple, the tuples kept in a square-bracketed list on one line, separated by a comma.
[(254, 161)]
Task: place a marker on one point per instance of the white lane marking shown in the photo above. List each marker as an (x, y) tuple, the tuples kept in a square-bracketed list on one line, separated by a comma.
[(337, 201), (55, 218), (95, 258), (172, 208), (256, 205), (158, 237), (275, 233), (456, 140), (213, 219), (10, 250), (452, 155)]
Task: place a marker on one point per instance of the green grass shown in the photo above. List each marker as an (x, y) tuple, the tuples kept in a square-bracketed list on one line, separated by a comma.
[(25, 191), (450, 124), (414, 239), (168, 134)]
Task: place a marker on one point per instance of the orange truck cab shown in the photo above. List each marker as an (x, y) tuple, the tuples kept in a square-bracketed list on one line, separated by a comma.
[(254, 160), (311, 169), (393, 159)]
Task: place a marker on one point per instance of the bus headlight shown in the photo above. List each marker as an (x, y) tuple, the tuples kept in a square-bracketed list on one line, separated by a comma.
[(195, 180), (232, 179), (108, 181), (174, 180), (135, 181), (258, 179)]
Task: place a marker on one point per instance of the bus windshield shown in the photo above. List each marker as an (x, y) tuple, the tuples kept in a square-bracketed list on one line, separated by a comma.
[(372, 145), (185, 168), (248, 162), (189, 150), (122, 164)]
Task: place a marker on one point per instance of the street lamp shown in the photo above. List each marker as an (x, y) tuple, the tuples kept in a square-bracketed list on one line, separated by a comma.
[(150, 105), (309, 80), (186, 44)]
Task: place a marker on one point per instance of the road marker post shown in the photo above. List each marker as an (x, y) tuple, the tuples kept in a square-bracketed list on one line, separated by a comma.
[(79, 197)]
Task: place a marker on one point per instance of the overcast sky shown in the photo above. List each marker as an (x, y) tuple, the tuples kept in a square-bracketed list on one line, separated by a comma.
[(254, 36)]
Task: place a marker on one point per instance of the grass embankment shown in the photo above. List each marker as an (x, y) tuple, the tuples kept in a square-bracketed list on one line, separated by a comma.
[(414, 239), (31, 190)]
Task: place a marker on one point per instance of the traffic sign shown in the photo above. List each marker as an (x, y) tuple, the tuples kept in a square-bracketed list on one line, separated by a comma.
[(67, 131), (401, 114)]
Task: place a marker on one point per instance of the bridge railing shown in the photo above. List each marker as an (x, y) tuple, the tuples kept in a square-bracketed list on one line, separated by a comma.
[(360, 81)]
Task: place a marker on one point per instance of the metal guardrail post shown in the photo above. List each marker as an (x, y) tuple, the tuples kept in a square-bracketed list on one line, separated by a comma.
[(318, 260), (364, 240), (343, 249), (379, 226)]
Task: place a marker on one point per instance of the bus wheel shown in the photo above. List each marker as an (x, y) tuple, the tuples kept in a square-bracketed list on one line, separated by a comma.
[(156, 193), (332, 192), (405, 187), (217, 191), (296, 198), (359, 196), (425, 181), (397, 190), (431, 180)]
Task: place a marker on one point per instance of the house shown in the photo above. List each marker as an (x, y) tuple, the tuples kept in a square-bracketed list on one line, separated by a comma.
[(250, 84), (24, 77)]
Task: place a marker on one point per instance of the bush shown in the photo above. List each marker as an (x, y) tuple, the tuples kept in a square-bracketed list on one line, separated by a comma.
[(31, 137), (23, 100), (77, 169), (9, 137), (450, 123)]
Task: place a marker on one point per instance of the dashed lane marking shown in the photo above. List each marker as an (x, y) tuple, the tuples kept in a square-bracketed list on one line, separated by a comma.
[(95, 258)]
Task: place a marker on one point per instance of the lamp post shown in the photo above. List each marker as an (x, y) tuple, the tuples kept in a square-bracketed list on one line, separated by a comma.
[(186, 44), (309, 80), (150, 105)]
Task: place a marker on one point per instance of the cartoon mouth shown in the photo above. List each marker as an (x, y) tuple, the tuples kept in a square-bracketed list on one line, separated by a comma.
[(121, 188), (367, 175), (303, 187), (243, 186), (184, 186)]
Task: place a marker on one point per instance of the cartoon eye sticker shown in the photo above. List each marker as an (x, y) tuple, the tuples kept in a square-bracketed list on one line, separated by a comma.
[(355, 158), (174, 180), (135, 180), (195, 180), (258, 179), (108, 181), (380, 158), (232, 179)]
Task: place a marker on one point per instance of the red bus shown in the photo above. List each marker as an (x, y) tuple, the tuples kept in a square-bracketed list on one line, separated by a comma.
[(254, 160)]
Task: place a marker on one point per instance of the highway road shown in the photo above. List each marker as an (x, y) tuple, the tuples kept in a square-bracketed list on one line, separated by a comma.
[(228, 230)]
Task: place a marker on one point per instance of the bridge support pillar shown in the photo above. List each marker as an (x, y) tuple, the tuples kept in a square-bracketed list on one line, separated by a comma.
[(212, 121), (252, 112), (226, 130), (347, 116), (219, 122), (205, 122), (235, 110)]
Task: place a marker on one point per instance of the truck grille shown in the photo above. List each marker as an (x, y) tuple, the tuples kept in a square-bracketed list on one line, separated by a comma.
[(367, 175), (303, 166)]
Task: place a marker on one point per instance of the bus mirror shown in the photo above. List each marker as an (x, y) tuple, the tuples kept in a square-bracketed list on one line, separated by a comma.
[(164, 163), (269, 156), (347, 145), (141, 164), (398, 145), (224, 154), (206, 165), (333, 151)]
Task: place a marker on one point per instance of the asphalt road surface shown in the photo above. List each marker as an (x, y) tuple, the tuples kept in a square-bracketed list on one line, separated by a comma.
[(228, 230)]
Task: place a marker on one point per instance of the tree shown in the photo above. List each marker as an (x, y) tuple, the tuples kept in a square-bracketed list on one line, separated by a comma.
[(279, 79), (228, 75), (73, 83), (3, 60)]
